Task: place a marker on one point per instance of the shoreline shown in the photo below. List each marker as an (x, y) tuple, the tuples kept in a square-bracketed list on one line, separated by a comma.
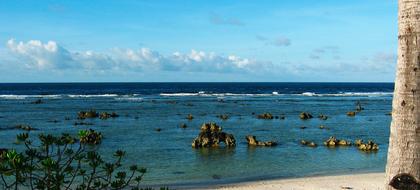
[(212, 184), (368, 181)]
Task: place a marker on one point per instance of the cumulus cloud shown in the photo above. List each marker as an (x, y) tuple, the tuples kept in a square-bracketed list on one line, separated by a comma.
[(50, 55)]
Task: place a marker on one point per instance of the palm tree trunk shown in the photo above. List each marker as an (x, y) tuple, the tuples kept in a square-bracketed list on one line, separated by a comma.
[(403, 165)]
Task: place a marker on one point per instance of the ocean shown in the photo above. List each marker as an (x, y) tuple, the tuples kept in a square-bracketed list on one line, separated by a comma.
[(168, 155)]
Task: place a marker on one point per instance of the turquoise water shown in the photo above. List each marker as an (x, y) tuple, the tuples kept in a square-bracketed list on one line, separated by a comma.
[(168, 155)]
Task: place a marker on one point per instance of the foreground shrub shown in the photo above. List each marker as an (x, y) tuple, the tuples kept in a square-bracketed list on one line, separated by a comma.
[(64, 162)]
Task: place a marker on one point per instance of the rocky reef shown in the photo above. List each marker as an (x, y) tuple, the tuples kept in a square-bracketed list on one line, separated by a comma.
[(183, 126), (359, 107), (323, 117), (323, 127), (367, 147), (308, 143), (265, 116), (305, 116), (87, 114), (252, 141), (332, 142), (38, 101), (211, 135), (25, 127), (351, 113), (106, 115), (223, 116), (190, 117), (94, 114)]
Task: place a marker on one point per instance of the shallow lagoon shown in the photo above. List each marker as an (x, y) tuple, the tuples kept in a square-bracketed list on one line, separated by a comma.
[(168, 154)]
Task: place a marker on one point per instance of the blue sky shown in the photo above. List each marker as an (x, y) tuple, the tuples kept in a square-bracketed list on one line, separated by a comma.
[(156, 40)]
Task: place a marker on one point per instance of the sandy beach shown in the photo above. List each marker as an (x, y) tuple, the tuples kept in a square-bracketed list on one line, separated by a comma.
[(371, 181)]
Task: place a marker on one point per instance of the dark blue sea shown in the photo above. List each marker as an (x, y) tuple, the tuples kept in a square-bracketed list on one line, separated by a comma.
[(168, 155)]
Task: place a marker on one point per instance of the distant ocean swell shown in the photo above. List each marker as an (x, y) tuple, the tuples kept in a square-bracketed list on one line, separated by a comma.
[(135, 97)]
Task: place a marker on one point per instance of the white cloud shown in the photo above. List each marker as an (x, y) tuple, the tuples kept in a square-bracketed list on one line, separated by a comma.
[(51, 58), (50, 55)]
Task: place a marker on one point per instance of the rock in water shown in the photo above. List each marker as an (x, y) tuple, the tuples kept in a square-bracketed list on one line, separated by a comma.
[(308, 143), (183, 126), (211, 135), (359, 107), (25, 127), (351, 113), (252, 141), (106, 115), (305, 115), (344, 143), (190, 117), (332, 142), (223, 117), (38, 101), (265, 116), (367, 147), (312, 144), (358, 142), (323, 117), (87, 114)]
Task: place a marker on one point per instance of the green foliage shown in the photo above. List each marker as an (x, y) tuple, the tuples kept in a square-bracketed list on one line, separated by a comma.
[(64, 162), (90, 137)]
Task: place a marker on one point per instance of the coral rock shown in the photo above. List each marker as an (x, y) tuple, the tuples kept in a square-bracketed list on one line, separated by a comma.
[(265, 116), (190, 117), (252, 141), (332, 142), (211, 135), (106, 115), (305, 115), (87, 114), (367, 147), (323, 117), (351, 113), (308, 143)]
